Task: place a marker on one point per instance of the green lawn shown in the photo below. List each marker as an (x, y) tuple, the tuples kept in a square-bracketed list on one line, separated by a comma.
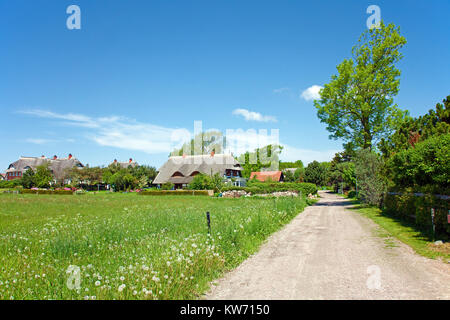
[(128, 246), (404, 231)]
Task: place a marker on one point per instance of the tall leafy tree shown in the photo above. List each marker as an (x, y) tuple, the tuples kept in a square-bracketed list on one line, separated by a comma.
[(357, 105)]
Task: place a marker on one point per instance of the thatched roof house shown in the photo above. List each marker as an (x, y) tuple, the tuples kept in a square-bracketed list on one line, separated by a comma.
[(125, 165), (180, 170), (58, 166)]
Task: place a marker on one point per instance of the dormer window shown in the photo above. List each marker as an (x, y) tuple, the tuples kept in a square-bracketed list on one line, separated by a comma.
[(177, 174)]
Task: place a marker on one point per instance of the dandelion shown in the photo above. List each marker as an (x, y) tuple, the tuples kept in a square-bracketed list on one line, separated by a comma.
[(121, 287), (97, 283)]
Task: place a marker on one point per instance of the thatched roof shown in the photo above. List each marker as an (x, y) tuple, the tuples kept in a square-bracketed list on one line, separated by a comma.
[(57, 166), (126, 164), (184, 167)]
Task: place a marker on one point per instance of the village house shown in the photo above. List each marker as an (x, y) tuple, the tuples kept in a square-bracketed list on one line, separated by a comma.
[(181, 170), (275, 176), (126, 164), (58, 166)]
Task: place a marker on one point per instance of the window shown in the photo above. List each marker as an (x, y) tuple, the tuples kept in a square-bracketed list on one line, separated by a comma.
[(193, 174), (177, 174)]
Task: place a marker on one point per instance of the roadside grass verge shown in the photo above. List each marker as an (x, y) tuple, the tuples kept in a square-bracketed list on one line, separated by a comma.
[(419, 240), (129, 247)]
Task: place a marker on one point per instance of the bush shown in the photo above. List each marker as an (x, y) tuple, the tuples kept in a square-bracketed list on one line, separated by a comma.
[(167, 186), (38, 191), (427, 165), (256, 187), (406, 206), (174, 192)]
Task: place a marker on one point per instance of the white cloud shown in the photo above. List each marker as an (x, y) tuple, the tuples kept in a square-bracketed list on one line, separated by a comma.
[(253, 116), (312, 93), (38, 140), (119, 132)]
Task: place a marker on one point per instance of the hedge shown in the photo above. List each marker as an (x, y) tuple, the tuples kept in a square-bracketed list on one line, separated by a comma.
[(174, 192), (418, 207), (270, 187), (59, 192)]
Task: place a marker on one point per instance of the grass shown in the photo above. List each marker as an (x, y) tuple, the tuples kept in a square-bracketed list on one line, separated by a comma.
[(404, 231), (127, 246)]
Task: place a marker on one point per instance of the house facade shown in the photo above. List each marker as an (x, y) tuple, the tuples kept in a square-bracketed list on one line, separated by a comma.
[(181, 170), (58, 166), (275, 176)]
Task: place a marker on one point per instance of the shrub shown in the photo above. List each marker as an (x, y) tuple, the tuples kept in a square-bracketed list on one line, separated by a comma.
[(167, 186), (256, 187), (174, 192), (425, 165), (43, 191)]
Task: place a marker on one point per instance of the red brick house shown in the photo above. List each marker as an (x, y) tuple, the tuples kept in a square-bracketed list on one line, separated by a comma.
[(276, 176)]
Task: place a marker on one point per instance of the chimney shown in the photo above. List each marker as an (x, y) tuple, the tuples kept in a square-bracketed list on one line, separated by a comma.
[(130, 161), (70, 156), (55, 157)]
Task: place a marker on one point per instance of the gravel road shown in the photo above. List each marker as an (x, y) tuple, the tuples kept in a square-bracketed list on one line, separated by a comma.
[(331, 252)]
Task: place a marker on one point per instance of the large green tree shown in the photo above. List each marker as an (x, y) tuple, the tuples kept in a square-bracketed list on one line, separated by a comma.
[(357, 105)]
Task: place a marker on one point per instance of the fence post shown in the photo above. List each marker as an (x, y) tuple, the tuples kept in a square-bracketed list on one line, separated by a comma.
[(208, 219), (432, 223)]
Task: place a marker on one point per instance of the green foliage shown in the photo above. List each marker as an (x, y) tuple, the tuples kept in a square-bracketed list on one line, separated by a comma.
[(368, 170), (167, 186), (43, 176), (413, 130), (342, 175), (174, 192), (408, 206), (201, 182), (119, 178), (357, 105), (427, 165), (6, 184), (317, 172), (297, 164), (28, 179), (57, 192), (205, 182), (257, 187)]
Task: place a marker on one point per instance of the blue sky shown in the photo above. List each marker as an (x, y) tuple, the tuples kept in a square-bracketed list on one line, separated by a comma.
[(137, 70)]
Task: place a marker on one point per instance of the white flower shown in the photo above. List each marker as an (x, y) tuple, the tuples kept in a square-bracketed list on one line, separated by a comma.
[(122, 278), (121, 287), (168, 263), (97, 283)]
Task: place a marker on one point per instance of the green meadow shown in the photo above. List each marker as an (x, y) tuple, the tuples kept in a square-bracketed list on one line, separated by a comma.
[(125, 246)]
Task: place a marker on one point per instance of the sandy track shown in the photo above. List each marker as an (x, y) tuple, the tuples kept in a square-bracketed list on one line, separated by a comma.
[(330, 252)]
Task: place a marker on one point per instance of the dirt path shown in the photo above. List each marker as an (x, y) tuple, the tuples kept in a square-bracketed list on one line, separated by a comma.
[(330, 252)]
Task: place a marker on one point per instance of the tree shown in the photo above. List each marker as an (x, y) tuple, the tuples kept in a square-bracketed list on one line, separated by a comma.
[(27, 180), (414, 130), (357, 104), (43, 176), (317, 173), (371, 185)]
